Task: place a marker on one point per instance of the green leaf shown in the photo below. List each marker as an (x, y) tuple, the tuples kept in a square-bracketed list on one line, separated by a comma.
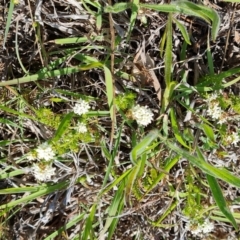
[(117, 7), (63, 126), (189, 8), (89, 224), (41, 75), (208, 131), (110, 90), (183, 31), (133, 17), (141, 147), (175, 129), (222, 174), (9, 17), (219, 199), (168, 52), (114, 209), (168, 95), (70, 224), (48, 188), (218, 195)]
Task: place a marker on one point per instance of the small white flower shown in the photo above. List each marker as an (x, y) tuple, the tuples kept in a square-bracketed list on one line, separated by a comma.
[(45, 152), (81, 107), (233, 138), (214, 111), (81, 128), (143, 115), (31, 156), (207, 226), (212, 97), (43, 172), (223, 118), (198, 229)]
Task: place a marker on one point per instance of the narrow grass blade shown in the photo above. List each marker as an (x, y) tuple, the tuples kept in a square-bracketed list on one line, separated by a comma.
[(175, 129), (165, 214), (10, 110), (208, 131), (40, 76), (222, 174), (19, 190), (9, 17), (163, 42), (192, 9), (109, 88), (63, 126), (168, 52), (117, 7), (44, 191), (210, 58), (183, 30), (141, 147), (114, 209), (115, 182), (167, 95), (70, 224), (219, 199), (110, 156), (230, 83), (11, 174), (77, 40), (133, 17), (89, 223), (218, 195), (17, 50), (132, 177), (168, 166)]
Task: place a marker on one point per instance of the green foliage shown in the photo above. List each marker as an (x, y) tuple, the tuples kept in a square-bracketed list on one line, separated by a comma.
[(234, 101), (125, 100), (70, 141), (193, 205), (48, 117)]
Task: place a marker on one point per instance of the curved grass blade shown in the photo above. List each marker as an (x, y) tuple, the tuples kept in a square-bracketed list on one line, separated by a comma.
[(219, 199), (183, 31), (192, 9), (141, 147), (63, 126), (218, 195), (222, 174)]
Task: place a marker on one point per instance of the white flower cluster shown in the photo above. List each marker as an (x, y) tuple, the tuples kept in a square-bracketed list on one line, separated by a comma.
[(214, 110), (45, 152), (198, 229), (81, 128), (81, 107), (233, 138), (143, 115), (43, 172)]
